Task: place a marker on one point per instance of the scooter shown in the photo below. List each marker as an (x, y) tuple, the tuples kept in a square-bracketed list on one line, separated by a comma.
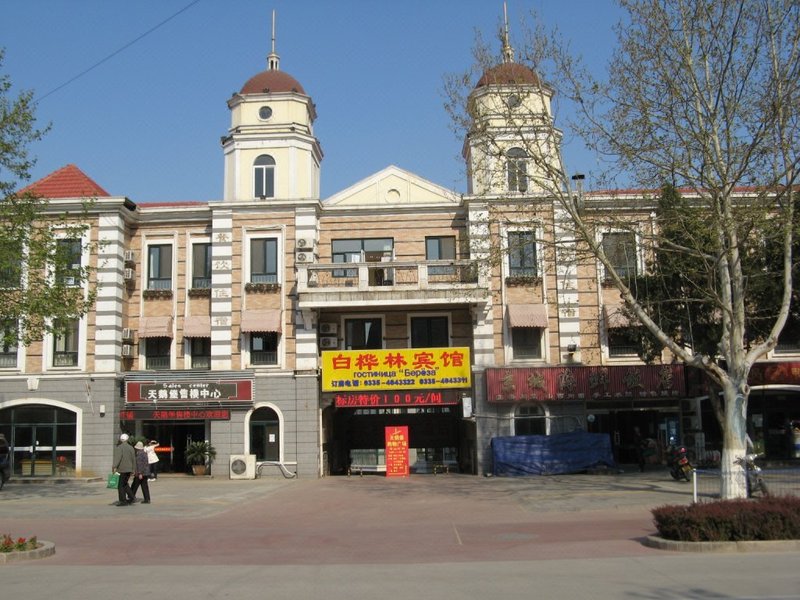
[(679, 465), (755, 481)]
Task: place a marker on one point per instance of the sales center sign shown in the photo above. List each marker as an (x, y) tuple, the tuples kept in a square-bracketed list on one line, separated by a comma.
[(400, 369)]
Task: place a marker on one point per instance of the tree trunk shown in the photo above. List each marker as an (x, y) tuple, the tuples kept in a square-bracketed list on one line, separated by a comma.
[(733, 477)]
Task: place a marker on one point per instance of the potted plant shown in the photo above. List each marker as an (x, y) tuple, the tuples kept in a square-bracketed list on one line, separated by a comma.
[(200, 455)]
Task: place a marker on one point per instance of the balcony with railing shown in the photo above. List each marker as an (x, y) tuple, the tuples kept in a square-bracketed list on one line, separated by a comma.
[(365, 283)]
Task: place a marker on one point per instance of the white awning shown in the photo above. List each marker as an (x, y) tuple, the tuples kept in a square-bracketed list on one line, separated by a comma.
[(527, 315), (261, 321)]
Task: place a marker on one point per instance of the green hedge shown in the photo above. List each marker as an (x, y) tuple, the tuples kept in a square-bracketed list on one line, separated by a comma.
[(772, 518)]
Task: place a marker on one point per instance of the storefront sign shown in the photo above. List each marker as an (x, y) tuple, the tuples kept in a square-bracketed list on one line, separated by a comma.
[(396, 451), (398, 398), (189, 414), (189, 391), (409, 368), (585, 383)]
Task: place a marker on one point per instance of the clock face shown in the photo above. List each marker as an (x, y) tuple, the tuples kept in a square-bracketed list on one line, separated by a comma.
[(264, 113), (513, 101)]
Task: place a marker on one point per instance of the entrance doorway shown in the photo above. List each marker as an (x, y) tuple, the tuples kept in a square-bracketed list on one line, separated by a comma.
[(656, 427), (172, 438), (42, 440)]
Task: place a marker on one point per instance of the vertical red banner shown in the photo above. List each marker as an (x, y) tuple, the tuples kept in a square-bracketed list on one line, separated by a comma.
[(396, 451)]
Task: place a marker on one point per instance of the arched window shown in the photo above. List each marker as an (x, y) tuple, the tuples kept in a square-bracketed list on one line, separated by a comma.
[(517, 170), (264, 177)]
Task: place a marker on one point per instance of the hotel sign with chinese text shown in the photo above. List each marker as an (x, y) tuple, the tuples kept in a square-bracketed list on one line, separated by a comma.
[(400, 369), (189, 391), (396, 451)]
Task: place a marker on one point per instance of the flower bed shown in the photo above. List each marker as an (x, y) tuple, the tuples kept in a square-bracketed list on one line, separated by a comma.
[(9, 544)]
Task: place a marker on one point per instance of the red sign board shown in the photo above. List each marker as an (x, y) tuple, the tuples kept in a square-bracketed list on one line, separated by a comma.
[(397, 451), (398, 398), (179, 414), (189, 391)]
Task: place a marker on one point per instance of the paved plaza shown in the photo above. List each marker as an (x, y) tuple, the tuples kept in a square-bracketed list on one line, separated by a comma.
[(442, 536)]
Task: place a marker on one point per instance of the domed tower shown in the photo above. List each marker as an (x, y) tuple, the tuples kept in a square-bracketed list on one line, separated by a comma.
[(512, 143), (270, 150)]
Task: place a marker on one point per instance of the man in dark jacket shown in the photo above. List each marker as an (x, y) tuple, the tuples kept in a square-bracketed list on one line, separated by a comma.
[(124, 464), (142, 474)]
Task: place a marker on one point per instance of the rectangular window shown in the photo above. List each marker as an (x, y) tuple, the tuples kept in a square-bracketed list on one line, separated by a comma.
[(526, 342), (11, 264), (201, 353), (68, 262), (157, 353), (8, 344), (65, 343), (358, 250), (522, 254), (789, 338), (622, 342), (429, 332), (264, 260), (363, 334), (620, 248), (159, 264), (440, 248), (201, 265), (264, 348)]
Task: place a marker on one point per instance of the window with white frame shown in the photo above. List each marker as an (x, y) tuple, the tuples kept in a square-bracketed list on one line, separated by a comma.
[(11, 268), (620, 249), (8, 344), (517, 170), (159, 267), (430, 332), (157, 353), (363, 334), (201, 265), (440, 248), (526, 343), (522, 254), (200, 348), (68, 266), (264, 348), (264, 177), (66, 340), (264, 260)]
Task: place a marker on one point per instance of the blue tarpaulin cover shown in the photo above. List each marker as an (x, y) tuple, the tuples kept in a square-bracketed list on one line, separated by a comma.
[(556, 454)]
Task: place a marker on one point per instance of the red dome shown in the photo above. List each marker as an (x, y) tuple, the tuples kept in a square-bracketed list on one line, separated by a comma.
[(272, 81), (508, 74)]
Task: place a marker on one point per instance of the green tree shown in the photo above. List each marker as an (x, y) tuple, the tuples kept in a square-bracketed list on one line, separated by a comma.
[(42, 286), (705, 95)]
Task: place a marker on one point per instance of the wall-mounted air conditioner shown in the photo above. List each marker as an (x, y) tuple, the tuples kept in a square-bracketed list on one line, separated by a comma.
[(329, 343), (243, 466), (304, 244), (328, 328), (127, 333), (130, 256), (304, 257), (127, 350), (128, 274)]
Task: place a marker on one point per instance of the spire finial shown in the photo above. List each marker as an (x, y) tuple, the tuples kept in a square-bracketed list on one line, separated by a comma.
[(273, 60), (508, 51)]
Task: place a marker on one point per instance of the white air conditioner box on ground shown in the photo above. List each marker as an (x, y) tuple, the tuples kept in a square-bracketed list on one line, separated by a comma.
[(243, 466)]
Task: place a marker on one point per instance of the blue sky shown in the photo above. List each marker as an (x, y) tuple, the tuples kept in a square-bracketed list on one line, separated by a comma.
[(146, 123)]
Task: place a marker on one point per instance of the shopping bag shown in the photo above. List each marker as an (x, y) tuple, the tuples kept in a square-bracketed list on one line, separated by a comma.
[(113, 481)]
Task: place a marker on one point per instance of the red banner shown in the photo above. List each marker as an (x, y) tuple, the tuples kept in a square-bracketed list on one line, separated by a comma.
[(399, 398), (172, 414), (397, 451)]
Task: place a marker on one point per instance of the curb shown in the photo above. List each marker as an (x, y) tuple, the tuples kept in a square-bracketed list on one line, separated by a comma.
[(654, 541), (44, 550)]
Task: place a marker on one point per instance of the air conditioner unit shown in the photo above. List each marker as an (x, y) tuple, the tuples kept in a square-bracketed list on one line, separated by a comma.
[(70, 281), (329, 343), (127, 350), (304, 244), (127, 333), (130, 256), (328, 328), (304, 257), (128, 274), (243, 466)]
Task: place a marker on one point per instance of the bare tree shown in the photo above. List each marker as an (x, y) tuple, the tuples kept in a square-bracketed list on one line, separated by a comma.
[(701, 95)]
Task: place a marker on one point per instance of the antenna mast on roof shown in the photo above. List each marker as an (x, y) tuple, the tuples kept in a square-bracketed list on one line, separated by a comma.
[(508, 51), (273, 59)]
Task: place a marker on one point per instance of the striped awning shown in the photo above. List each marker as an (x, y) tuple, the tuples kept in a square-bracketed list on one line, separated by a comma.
[(153, 327), (261, 321), (615, 318), (197, 327), (527, 315)]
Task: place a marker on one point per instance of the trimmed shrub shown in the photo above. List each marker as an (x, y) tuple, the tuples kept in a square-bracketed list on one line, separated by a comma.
[(771, 518)]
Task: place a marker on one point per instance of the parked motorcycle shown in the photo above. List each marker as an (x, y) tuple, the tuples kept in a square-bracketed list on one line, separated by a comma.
[(679, 465), (755, 481)]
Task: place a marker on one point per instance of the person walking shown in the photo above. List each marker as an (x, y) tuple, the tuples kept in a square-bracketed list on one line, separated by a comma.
[(124, 464), (141, 475), (152, 459)]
